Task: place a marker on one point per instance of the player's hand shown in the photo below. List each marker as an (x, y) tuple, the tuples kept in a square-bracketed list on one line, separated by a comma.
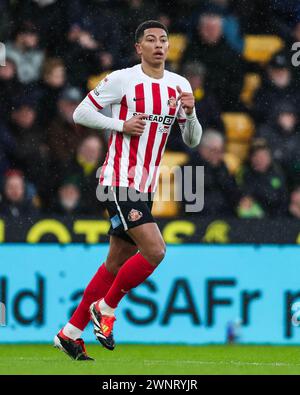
[(187, 100), (135, 126)]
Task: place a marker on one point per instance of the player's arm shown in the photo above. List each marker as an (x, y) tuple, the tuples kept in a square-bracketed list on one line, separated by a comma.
[(109, 91), (188, 122)]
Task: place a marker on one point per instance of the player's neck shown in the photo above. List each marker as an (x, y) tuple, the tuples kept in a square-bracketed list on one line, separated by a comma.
[(153, 71)]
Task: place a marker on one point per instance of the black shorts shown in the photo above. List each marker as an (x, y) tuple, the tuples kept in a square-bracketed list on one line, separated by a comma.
[(127, 208)]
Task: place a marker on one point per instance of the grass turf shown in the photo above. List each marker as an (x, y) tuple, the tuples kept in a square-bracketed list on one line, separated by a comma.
[(153, 359)]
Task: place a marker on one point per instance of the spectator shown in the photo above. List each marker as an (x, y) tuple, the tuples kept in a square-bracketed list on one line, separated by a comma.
[(52, 19), (29, 143), (68, 199), (63, 135), (278, 85), (231, 24), (14, 202), (294, 204), (80, 57), (25, 53), (283, 137), (62, 140), (4, 19), (23, 127), (263, 181), (206, 105), (36, 124), (50, 88), (10, 87), (249, 208), (82, 170), (224, 67), (221, 192), (7, 149)]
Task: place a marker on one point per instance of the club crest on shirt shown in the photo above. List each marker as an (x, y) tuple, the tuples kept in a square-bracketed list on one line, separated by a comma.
[(134, 215), (172, 102)]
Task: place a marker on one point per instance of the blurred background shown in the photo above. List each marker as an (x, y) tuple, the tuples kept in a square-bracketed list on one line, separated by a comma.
[(237, 56)]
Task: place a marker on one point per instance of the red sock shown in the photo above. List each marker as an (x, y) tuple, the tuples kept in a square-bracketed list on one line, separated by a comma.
[(134, 271), (97, 288)]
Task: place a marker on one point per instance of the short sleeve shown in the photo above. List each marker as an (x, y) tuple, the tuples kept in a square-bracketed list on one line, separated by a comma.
[(108, 91)]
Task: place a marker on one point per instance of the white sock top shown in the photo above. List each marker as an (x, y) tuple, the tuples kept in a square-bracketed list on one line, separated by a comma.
[(71, 331), (105, 308)]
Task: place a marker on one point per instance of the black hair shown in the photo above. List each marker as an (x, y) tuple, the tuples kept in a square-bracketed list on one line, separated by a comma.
[(148, 25)]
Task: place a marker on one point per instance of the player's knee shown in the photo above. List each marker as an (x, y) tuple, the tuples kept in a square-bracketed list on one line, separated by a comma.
[(160, 255), (157, 254)]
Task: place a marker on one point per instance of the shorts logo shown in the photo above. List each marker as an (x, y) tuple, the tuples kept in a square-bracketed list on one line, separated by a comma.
[(115, 221), (134, 215), (172, 102)]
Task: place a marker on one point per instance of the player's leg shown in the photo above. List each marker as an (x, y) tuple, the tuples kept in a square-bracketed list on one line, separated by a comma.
[(132, 273), (68, 339), (130, 217), (119, 251), (149, 241), (137, 268)]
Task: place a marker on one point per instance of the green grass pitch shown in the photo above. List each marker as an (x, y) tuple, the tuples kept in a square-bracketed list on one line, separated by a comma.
[(153, 359)]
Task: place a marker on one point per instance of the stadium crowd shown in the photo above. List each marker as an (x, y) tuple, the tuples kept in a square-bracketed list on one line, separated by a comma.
[(57, 50)]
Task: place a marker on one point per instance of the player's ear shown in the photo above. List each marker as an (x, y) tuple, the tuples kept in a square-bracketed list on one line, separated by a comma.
[(138, 48)]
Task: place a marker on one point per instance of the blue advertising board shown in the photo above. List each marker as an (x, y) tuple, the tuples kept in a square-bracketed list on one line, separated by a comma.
[(192, 296)]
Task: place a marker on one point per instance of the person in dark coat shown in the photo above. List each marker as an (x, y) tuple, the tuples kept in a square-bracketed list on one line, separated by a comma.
[(278, 85), (206, 105), (82, 170), (221, 192), (10, 88), (14, 201), (283, 137), (263, 181), (68, 200), (63, 136), (224, 66), (49, 90)]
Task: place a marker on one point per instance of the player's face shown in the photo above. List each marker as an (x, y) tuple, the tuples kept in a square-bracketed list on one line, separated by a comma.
[(153, 47)]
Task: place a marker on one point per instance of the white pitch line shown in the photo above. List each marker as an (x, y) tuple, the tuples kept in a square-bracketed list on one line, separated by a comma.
[(238, 363)]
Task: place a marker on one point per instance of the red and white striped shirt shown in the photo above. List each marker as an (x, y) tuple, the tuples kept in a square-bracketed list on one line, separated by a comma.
[(133, 161)]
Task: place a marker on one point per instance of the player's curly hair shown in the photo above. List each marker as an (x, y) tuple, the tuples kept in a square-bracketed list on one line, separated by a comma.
[(148, 25)]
